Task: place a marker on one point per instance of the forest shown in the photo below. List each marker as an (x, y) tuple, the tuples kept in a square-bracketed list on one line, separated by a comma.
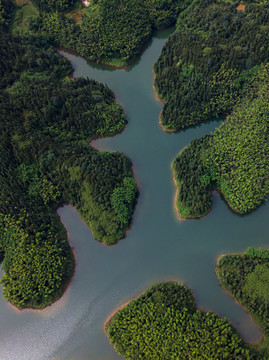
[(206, 65), (54, 5), (246, 278), (107, 31), (47, 122), (163, 323), (234, 159), (214, 65)]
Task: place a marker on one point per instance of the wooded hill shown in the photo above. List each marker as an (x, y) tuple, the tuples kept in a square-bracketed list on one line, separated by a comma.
[(106, 31), (46, 123), (216, 64), (234, 159), (163, 323), (246, 277), (206, 65)]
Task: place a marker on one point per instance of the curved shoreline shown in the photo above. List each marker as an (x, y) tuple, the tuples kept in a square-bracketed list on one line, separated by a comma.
[(126, 303), (99, 136), (262, 337), (120, 307), (74, 257), (65, 286), (175, 199), (157, 97), (75, 53), (176, 208), (126, 65)]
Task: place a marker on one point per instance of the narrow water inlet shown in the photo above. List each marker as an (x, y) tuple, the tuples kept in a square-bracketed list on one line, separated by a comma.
[(158, 247)]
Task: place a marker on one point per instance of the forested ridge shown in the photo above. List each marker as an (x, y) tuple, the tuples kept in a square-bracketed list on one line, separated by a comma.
[(234, 159), (163, 323), (246, 277), (46, 125), (106, 31), (206, 65), (216, 64)]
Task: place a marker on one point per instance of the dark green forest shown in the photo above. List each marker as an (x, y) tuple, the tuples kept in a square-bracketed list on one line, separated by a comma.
[(54, 5), (206, 65), (246, 277), (233, 160), (164, 323), (46, 124), (106, 31), (214, 65), (195, 181)]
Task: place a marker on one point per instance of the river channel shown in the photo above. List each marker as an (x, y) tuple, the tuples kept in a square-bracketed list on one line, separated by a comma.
[(158, 245)]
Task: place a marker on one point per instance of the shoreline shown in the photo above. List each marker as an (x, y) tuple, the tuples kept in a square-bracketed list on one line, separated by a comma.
[(156, 96), (88, 226), (127, 302), (99, 136), (175, 199), (114, 312), (262, 337), (120, 307), (180, 218), (75, 53), (125, 66), (65, 287)]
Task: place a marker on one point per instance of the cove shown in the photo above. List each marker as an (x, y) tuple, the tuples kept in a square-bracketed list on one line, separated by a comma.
[(158, 246)]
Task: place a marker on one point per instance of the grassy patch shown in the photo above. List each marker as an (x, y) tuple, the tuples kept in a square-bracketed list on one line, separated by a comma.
[(76, 13), (24, 13), (79, 10), (116, 63)]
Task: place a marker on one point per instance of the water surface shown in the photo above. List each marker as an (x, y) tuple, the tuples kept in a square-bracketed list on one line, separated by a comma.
[(158, 247)]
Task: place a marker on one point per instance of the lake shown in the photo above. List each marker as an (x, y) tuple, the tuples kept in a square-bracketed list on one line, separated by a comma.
[(158, 246)]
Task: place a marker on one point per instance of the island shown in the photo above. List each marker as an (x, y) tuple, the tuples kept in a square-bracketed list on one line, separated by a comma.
[(47, 123), (163, 323), (216, 64), (246, 277)]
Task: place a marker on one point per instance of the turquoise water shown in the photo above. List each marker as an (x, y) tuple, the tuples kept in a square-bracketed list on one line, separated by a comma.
[(158, 246)]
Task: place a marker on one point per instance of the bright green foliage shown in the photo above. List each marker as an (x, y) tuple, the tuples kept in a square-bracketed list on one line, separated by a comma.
[(45, 159), (36, 268), (246, 277), (252, 252), (206, 65), (240, 148), (110, 30), (257, 283), (194, 179), (108, 118), (163, 323), (234, 160), (122, 199)]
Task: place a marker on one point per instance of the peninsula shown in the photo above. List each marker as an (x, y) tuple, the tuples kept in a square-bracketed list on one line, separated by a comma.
[(163, 323), (246, 277), (47, 122), (216, 64)]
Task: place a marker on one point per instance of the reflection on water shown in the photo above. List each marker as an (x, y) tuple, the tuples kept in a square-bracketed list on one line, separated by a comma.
[(158, 247)]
